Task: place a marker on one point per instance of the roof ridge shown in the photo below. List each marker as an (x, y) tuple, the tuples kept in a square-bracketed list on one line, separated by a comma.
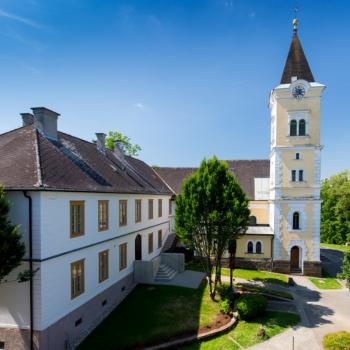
[(38, 158), (30, 126)]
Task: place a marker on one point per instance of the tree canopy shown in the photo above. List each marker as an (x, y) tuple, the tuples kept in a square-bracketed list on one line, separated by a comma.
[(335, 210), (211, 210), (12, 249), (129, 148)]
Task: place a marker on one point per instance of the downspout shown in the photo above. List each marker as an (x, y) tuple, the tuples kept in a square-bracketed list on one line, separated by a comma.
[(273, 237), (30, 268)]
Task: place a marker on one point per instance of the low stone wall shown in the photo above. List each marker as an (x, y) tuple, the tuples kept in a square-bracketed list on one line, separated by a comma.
[(312, 268), (281, 266)]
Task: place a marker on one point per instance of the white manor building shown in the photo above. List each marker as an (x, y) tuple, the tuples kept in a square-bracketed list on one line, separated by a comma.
[(85, 213)]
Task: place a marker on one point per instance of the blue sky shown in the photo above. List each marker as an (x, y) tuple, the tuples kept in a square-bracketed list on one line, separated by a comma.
[(184, 79)]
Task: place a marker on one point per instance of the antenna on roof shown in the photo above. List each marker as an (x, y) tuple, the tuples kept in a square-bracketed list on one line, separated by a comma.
[(295, 19)]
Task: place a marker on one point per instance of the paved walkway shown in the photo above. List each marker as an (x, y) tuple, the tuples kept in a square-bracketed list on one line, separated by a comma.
[(321, 312), (188, 279)]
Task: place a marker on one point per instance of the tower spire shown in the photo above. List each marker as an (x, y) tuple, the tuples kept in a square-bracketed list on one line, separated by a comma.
[(296, 63)]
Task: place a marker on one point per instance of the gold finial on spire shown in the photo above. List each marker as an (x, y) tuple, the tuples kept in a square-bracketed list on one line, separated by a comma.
[(295, 24), (295, 20)]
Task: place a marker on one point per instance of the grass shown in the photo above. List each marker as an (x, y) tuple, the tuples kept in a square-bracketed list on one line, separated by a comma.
[(337, 341), (326, 283), (340, 247), (245, 333), (270, 291), (153, 313), (251, 275)]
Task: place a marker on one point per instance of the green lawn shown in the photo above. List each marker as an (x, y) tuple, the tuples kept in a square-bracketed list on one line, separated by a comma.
[(258, 275), (326, 283), (153, 313), (251, 275), (245, 332), (257, 289), (342, 248)]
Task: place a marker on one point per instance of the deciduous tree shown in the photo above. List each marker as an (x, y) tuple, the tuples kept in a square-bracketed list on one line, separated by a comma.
[(210, 210), (335, 210), (129, 148)]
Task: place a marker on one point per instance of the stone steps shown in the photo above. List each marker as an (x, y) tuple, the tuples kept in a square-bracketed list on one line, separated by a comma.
[(165, 273)]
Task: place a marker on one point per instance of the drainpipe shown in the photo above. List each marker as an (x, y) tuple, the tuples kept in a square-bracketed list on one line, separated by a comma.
[(273, 237), (30, 268)]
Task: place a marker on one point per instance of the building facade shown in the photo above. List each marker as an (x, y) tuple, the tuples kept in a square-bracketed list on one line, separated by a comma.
[(284, 191), (86, 214)]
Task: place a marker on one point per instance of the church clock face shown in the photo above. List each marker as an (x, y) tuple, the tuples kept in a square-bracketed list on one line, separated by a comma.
[(299, 88), (298, 91)]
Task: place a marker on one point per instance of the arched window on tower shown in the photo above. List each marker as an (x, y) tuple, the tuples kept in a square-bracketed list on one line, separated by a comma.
[(258, 248), (296, 219), (293, 128), (252, 220), (302, 127), (250, 247)]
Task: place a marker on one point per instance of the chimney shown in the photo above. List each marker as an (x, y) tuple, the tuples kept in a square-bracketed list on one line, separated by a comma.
[(119, 150), (45, 120), (101, 142), (27, 119)]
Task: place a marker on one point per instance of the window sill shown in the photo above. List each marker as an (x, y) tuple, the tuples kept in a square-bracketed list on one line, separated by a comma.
[(299, 136), (296, 231), (254, 253)]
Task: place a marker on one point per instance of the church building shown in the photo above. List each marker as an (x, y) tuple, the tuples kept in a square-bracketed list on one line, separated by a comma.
[(284, 191)]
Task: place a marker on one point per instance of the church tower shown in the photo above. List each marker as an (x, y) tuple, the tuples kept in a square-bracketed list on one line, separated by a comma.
[(295, 163)]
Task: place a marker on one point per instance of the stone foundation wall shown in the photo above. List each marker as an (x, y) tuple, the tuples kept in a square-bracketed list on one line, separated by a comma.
[(245, 263), (18, 339), (312, 268), (281, 266)]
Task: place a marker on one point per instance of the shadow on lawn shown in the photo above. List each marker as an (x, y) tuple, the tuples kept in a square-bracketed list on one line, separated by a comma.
[(151, 315)]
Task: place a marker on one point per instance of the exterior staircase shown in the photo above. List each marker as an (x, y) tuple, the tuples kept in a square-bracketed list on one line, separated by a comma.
[(170, 243), (165, 273)]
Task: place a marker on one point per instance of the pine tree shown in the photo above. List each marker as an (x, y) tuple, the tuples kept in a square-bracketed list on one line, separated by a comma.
[(12, 249)]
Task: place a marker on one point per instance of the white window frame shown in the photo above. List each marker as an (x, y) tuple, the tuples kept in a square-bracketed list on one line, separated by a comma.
[(297, 116)]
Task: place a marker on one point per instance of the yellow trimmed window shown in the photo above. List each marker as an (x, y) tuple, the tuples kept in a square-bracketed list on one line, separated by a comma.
[(77, 278), (160, 207), (102, 215), (123, 256), (138, 212), (160, 238), (102, 266), (150, 209), (77, 218), (150, 243), (170, 207), (123, 212)]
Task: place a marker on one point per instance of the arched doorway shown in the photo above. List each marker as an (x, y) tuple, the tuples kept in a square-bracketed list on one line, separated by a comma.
[(294, 258), (138, 247)]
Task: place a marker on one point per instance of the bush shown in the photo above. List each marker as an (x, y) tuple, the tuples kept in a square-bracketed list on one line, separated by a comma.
[(345, 273), (250, 306), (225, 306), (225, 292), (337, 341)]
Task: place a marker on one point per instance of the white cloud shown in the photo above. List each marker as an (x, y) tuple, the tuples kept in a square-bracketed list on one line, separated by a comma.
[(252, 15), (20, 19), (140, 105)]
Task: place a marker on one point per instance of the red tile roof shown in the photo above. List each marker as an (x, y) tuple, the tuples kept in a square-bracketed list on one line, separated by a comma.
[(245, 172), (28, 160)]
